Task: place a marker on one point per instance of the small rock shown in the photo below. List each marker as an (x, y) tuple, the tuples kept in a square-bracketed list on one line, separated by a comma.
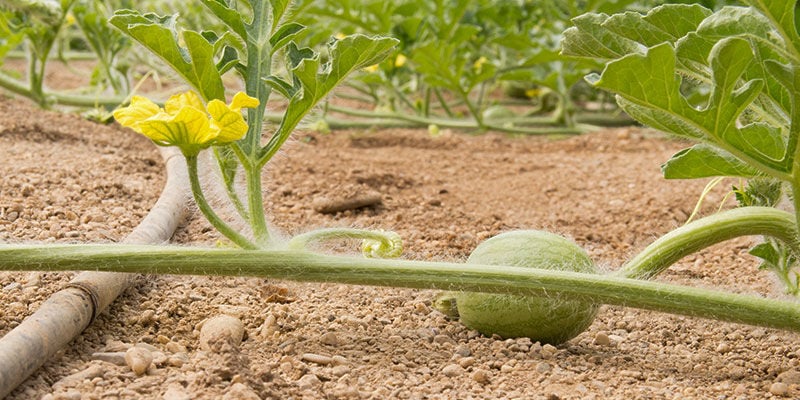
[(790, 377), (174, 347), (442, 339), (601, 339), (779, 389), (463, 351), (452, 370), (340, 370), (481, 376), (147, 317), (330, 339), (505, 368), (177, 360), (116, 358), (93, 371), (723, 348), (308, 381), (240, 391), (176, 392), (548, 351), (543, 367), (138, 359), (317, 359), (466, 362), (219, 329)]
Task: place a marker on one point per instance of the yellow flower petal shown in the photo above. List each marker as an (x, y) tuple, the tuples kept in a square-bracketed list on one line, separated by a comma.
[(242, 100), (186, 99), (400, 60), (229, 124), (139, 110), (188, 128)]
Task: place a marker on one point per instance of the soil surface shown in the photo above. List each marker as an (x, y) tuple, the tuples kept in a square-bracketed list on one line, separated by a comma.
[(67, 180)]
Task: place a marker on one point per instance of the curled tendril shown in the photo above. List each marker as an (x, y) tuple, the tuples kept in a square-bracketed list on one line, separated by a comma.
[(389, 246), (376, 244)]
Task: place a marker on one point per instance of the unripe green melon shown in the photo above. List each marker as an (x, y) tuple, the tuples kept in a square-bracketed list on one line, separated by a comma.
[(553, 319)]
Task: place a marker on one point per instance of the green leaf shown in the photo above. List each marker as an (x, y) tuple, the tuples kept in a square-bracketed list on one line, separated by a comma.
[(279, 7), (588, 38), (782, 15), (228, 16), (662, 24), (767, 252), (195, 63), (703, 161), (346, 55), (649, 90), (285, 34)]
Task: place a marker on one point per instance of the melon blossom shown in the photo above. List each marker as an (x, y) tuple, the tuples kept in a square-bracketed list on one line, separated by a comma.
[(186, 122)]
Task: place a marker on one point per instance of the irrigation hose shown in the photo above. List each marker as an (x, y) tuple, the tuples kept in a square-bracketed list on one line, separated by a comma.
[(65, 314)]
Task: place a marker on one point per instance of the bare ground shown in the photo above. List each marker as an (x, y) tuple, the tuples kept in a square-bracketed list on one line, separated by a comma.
[(68, 180)]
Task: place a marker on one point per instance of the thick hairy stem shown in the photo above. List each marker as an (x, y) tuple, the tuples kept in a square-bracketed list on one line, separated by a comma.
[(310, 267), (717, 228), (64, 315)]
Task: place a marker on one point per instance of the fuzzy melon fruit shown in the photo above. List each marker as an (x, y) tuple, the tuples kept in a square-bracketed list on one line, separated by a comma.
[(553, 319)]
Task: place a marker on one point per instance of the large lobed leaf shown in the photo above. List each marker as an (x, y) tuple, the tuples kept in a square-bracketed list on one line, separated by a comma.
[(736, 55)]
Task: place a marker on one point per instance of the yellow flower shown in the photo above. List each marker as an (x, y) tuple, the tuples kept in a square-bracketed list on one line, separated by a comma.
[(371, 69), (478, 65), (400, 60), (187, 123)]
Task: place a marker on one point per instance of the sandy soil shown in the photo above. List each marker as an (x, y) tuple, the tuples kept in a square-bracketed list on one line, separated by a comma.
[(68, 180)]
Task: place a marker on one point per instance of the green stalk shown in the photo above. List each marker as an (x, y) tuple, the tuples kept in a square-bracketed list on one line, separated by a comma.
[(259, 61), (309, 267), (208, 212), (717, 228), (14, 86), (384, 119)]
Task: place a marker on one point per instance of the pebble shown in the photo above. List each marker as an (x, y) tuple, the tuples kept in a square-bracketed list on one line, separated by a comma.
[(340, 370), (779, 389), (466, 362), (177, 360), (317, 359), (543, 367), (330, 339), (116, 358), (442, 339), (240, 391), (138, 359), (548, 351), (174, 347), (481, 376), (308, 381), (723, 348), (221, 328), (93, 371), (601, 339), (790, 377), (463, 351), (176, 392), (452, 370)]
